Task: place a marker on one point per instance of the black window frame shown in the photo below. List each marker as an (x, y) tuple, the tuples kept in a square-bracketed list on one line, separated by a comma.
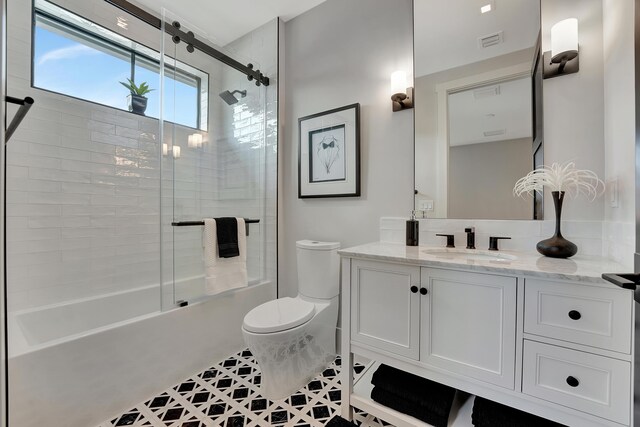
[(132, 54)]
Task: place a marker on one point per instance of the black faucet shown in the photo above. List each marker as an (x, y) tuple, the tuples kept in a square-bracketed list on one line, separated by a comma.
[(471, 237)]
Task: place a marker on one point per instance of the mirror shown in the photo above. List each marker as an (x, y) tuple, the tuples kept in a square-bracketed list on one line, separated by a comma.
[(478, 107)]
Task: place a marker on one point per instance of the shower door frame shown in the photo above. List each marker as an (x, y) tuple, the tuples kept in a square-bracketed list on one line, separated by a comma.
[(4, 396)]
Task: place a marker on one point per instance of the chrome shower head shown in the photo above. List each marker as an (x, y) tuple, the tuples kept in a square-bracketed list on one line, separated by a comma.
[(229, 97)]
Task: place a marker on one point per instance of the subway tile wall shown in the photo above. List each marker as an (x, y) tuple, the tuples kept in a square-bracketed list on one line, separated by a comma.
[(84, 182)]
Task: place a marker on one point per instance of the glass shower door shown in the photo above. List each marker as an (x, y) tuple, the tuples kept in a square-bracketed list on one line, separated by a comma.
[(213, 123)]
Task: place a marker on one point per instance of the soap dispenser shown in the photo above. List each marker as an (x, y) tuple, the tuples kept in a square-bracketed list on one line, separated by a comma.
[(412, 230)]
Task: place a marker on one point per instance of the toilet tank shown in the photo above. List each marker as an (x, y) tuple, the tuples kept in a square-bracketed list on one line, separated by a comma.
[(318, 268)]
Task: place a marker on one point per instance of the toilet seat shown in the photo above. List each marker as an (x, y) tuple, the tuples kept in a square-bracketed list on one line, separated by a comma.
[(278, 315)]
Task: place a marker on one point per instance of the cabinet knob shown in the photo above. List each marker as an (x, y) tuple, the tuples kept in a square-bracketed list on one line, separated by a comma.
[(573, 381), (575, 315), (414, 289), (423, 291)]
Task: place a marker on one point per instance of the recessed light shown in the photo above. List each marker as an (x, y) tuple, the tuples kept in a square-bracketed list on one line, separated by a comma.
[(486, 8)]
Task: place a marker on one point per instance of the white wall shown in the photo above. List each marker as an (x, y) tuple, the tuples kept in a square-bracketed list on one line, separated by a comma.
[(338, 53), (619, 128), (573, 104)]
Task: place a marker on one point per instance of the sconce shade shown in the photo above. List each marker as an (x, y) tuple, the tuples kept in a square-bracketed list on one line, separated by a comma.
[(165, 149), (401, 93), (399, 83), (564, 40), (176, 151)]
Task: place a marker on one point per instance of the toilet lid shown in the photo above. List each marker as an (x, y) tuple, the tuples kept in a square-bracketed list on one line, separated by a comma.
[(278, 315)]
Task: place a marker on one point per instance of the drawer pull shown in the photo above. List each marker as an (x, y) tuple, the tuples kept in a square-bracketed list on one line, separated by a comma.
[(575, 315), (573, 381), (423, 291), (414, 289)]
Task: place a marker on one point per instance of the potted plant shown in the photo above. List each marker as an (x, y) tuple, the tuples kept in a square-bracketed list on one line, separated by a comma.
[(560, 178), (137, 99)]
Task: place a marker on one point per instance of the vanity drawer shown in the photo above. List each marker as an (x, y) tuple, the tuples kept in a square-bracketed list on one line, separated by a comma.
[(589, 315), (595, 384)]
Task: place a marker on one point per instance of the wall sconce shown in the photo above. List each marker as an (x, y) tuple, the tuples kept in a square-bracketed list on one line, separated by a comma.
[(402, 98), (563, 57), (195, 141)]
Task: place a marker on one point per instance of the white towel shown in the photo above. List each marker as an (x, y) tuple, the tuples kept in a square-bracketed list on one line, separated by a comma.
[(223, 274)]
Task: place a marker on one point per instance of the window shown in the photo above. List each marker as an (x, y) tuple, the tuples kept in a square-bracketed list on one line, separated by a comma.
[(75, 57)]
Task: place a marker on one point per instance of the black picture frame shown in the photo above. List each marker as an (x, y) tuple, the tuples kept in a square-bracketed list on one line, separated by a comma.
[(329, 153)]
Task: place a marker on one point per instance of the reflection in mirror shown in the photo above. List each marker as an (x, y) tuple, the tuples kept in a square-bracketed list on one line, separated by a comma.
[(477, 108)]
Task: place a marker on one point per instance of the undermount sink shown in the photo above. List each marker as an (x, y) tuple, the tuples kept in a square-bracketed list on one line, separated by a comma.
[(469, 254)]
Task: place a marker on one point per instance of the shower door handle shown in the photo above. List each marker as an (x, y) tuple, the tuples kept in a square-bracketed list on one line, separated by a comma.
[(25, 104)]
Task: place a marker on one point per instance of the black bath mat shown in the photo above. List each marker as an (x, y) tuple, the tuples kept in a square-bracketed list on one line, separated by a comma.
[(338, 421)]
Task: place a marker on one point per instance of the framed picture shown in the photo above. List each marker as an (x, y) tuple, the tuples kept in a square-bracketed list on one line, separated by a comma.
[(329, 153)]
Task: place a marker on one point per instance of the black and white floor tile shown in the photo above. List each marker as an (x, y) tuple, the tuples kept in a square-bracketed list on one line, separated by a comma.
[(228, 395)]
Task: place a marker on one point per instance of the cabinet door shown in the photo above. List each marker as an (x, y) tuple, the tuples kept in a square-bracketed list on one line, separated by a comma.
[(385, 313), (469, 324)]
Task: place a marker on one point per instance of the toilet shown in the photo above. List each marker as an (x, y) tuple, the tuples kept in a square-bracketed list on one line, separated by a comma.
[(294, 339)]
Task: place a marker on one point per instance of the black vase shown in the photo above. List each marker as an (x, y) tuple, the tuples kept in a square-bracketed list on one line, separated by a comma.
[(137, 104), (557, 246)]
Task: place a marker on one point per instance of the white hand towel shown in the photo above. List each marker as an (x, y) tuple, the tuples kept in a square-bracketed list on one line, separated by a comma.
[(224, 274)]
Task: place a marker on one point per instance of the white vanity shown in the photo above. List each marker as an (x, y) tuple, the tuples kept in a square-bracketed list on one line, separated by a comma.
[(543, 335)]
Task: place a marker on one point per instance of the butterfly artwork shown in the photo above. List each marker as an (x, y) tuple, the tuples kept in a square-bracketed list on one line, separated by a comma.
[(327, 154), (328, 151)]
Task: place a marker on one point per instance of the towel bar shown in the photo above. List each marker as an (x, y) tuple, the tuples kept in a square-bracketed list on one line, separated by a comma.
[(247, 221)]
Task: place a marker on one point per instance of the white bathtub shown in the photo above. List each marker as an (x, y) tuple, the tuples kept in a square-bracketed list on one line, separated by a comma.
[(78, 363), (35, 328)]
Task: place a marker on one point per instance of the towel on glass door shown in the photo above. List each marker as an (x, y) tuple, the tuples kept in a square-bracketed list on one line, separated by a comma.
[(224, 274)]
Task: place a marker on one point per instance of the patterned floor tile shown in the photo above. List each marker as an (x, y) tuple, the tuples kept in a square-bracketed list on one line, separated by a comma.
[(228, 395)]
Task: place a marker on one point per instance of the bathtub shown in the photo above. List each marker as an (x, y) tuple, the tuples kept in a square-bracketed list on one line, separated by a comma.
[(35, 328), (78, 363)]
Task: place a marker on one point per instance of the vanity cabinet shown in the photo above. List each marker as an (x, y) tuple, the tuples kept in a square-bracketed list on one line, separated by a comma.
[(461, 322), (558, 348), (469, 324), (587, 382), (385, 313), (588, 315)]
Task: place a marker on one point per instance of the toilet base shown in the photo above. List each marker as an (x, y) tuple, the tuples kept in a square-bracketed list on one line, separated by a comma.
[(290, 359)]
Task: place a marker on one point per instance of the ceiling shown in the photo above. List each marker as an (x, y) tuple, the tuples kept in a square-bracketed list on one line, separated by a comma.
[(447, 31), (496, 112), (224, 21)]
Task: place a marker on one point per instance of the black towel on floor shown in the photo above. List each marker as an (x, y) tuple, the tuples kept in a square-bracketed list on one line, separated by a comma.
[(227, 233), (487, 413), (413, 409), (434, 396), (338, 421)]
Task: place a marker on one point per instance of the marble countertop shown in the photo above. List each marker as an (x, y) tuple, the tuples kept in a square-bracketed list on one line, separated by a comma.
[(582, 268)]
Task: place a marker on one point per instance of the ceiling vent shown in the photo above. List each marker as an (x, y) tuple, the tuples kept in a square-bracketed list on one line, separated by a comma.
[(486, 92), (498, 132), (490, 40)]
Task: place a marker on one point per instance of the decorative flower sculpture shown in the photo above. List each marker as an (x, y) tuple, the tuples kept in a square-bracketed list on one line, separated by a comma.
[(561, 179)]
